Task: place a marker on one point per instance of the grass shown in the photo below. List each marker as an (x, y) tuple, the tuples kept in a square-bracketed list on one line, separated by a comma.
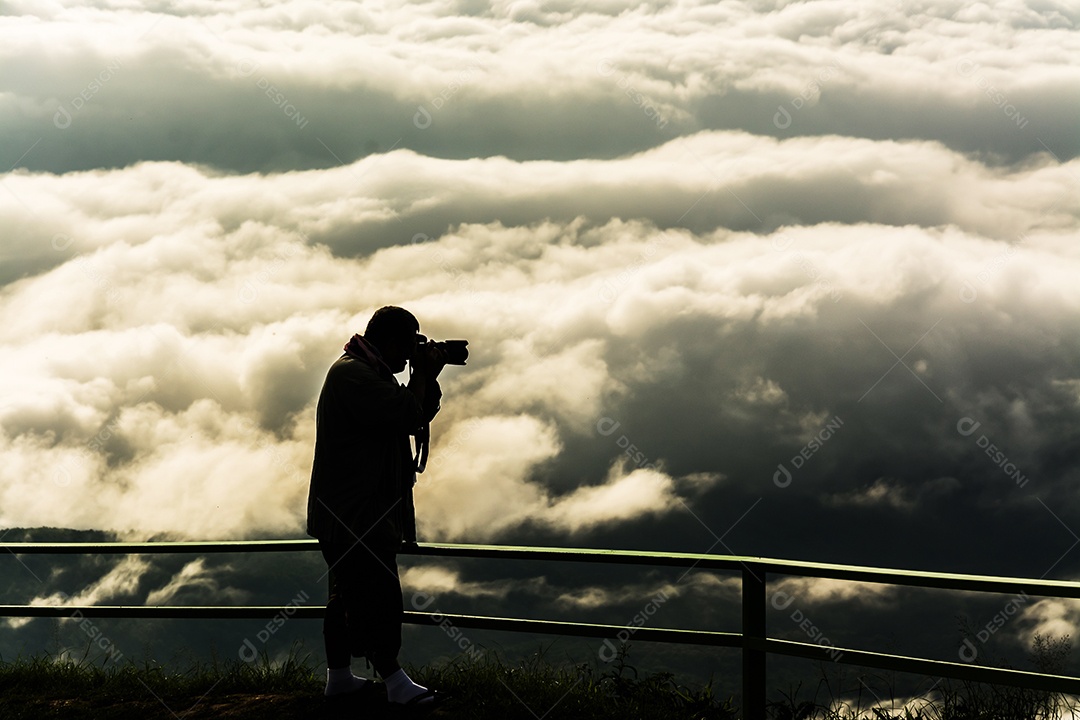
[(484, 687), (50, 687), (534, 688), (949, 700)]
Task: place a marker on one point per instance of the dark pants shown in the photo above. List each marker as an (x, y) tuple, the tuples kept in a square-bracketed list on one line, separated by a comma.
[(365, 608)]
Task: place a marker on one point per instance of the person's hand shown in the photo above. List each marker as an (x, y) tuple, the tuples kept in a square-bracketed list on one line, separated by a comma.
[(430, 359)]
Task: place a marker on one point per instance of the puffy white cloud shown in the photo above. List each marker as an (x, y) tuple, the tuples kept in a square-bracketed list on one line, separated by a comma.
[(885, 492), (717, 590), (481, 483), (304, 85), (1049, 617), (433, 580), (818, 591), (200, 582), (120, 581), (620, 498)]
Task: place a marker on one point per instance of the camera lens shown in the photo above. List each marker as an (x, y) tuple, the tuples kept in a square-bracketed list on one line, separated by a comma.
[(457, 351)]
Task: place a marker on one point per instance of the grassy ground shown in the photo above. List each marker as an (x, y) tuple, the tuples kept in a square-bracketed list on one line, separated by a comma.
[(482, 688)]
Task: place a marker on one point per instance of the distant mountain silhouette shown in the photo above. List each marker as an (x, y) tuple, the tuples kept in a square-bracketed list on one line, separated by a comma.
[(53, 534)]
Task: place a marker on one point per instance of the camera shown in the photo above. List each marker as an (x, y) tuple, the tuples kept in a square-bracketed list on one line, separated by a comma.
[(457, 351)]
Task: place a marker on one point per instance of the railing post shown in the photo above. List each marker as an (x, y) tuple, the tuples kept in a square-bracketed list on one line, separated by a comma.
[(753, 628)]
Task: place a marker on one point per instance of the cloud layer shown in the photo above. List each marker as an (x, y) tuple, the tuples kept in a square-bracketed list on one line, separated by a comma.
[(305, 85), (166, 344), (776, 278)]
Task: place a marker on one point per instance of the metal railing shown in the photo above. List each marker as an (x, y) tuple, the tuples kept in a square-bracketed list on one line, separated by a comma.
[(753, 640)]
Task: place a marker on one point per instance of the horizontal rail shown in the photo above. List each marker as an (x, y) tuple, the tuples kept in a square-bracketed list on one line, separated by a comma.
[(933, 668), (853, 573), (316, 612), (170, 612), (164, 548)]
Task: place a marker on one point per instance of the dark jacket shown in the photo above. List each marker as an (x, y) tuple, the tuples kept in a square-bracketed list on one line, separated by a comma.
[(363, 472)]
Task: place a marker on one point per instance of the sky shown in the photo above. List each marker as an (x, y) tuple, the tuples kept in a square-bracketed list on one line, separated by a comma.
[(788, 279)]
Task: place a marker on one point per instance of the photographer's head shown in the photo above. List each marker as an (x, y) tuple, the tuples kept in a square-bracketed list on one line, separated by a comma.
[(393, 331)]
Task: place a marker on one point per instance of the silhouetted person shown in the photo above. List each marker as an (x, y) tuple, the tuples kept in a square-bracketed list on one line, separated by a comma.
[(360, 500)]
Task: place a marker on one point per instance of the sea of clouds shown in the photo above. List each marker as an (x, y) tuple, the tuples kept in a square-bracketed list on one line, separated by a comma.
[(794, 279)]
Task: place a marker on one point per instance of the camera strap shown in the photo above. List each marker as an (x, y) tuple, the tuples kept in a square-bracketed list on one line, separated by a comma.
[(423, 441)]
